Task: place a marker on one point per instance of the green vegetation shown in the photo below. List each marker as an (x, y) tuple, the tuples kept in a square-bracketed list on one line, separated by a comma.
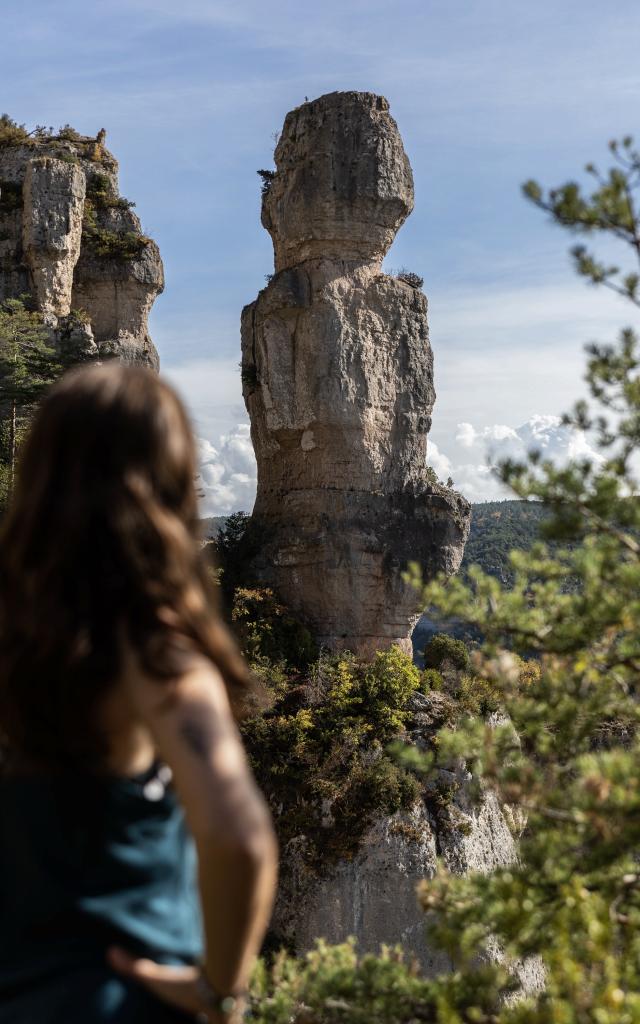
[(11, 133), (497, 529), (318, 752), (56, 142), (567, 754), (28, 365), (230, 545), (333, 985), (266, 178), (442, 648), (575, 896), (325, 749), (69, 134), (101, 193), (267, 631), (410, 278), (105, 243)]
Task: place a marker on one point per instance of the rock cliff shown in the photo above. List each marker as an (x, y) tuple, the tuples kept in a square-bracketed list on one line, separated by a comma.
[(71, 242), (337, 376), (373, 895)]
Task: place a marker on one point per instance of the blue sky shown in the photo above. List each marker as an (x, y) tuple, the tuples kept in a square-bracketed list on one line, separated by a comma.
[(486, 94)]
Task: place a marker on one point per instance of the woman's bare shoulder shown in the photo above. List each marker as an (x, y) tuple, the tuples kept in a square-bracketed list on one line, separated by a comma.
[(198, 682)]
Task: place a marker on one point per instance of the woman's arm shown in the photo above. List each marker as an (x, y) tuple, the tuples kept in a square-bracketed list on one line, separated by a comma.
[(191, 723)]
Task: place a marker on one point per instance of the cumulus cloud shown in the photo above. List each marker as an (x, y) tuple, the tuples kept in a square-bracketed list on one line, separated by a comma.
[(227, 480), (482, 448), (467, 435), (438, 461)]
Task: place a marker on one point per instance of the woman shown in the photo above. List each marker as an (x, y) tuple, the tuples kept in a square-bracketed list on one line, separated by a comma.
[(116, 677)]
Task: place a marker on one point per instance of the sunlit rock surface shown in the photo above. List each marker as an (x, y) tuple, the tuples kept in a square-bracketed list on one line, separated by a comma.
[(70, 242), (338, 382)]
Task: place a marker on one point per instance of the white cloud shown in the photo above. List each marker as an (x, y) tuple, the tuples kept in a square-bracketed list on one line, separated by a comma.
[(438, 461), (227, 473), (490, 444), (228, 469), (212, 390), (466, 435)]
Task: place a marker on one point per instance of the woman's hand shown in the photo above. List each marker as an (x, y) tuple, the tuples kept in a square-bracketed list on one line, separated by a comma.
[(178, 986)]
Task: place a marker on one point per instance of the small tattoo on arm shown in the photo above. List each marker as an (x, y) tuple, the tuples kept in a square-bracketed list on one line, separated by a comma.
[(196, 736)]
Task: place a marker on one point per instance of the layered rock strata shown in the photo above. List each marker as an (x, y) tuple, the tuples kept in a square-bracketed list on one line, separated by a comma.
[(337, 376), (75, 246)]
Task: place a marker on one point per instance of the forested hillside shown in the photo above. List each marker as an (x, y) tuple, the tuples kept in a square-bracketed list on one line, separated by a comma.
[(497, 527)]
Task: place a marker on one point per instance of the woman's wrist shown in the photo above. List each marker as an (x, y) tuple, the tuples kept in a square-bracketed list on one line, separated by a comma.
[(217, 1006)]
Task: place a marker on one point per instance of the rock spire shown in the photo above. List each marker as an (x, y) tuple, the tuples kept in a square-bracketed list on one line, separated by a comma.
[(337, 376), (71, 242)]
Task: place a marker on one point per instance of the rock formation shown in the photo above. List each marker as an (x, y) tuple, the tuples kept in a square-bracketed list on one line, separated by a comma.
[(338, 381), (74, 245), (373, 896)]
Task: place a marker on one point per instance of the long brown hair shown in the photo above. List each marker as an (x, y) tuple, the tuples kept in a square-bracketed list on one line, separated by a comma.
[(101, 541)]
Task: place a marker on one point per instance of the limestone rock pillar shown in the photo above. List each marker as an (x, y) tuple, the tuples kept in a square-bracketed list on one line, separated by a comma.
[(53, 194), (337, 376)]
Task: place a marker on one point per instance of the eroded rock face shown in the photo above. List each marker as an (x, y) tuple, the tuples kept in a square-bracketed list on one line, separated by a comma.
[(344, 184), (53, 195), (69, 241), (338, 381), (373, 896)]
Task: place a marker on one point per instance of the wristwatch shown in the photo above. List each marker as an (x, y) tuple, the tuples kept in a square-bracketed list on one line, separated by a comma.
[(226, 1005)]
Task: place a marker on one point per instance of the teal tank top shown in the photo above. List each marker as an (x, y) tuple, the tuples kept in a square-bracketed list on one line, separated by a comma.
[(86, 863)]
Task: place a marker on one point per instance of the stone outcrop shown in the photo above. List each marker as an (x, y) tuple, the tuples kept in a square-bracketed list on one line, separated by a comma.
[(75, 246), (373, 896), (338, 382), (53, 194)]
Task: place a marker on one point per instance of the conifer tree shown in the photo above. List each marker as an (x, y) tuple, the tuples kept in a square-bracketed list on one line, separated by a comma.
[(28, 365), (569, 752)]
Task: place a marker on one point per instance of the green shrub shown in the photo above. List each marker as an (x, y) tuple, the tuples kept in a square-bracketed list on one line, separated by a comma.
[(476, 696), (107, 244), (334, 985), (103, 196), (267, 630), (11, 133), (236, 543), (387, 685), (431, 679), (410, 278), (66, 157), (319, 751), (443, 648), (69, 134), (266, 178)]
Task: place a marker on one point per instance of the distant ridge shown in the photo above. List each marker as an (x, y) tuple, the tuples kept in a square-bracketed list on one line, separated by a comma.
[(498, 527)]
